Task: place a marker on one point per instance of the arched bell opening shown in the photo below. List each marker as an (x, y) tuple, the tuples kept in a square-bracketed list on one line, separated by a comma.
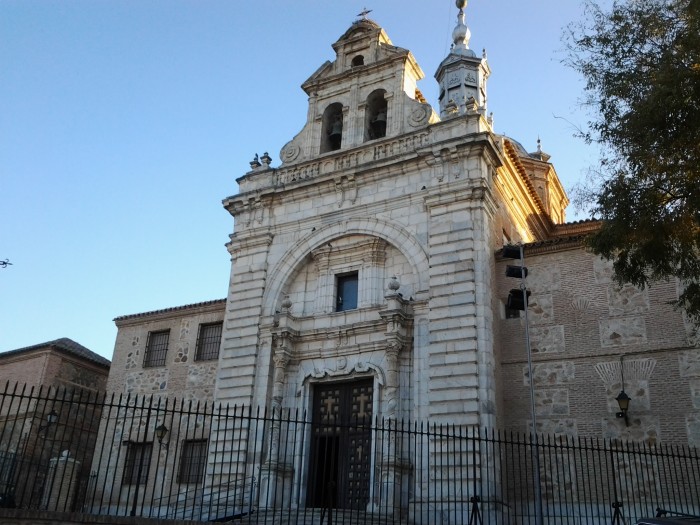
[(376, 115), (358, 60), (332, 130)]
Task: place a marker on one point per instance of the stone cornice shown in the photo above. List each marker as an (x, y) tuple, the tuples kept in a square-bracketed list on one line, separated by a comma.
[(369, 158)]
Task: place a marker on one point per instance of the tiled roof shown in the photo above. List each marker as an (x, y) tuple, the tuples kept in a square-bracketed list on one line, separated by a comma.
[(171, 309), (67, 345), (551, 245)]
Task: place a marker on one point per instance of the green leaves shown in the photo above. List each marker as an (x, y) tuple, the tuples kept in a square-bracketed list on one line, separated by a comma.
[(641, 63)]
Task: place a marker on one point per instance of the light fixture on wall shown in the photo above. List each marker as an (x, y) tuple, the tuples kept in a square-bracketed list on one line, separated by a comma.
[(51, 419), (161, 431), (623, 400)]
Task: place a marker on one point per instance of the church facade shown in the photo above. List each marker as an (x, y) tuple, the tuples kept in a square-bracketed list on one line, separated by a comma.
[(367, 281)]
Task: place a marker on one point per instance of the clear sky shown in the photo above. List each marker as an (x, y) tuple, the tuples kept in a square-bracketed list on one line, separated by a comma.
[(123, 124)]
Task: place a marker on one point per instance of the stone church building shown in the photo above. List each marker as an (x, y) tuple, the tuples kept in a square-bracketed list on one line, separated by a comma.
[(367, 278)]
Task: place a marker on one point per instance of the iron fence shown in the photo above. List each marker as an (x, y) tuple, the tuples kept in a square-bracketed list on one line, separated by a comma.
[(162, 458)]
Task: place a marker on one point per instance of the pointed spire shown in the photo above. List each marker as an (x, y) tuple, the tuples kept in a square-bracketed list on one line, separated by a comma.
[(461, 33)]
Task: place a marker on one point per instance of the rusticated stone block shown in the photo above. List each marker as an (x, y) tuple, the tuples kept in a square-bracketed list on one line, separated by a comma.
[(557, 427), (550, 373), (552, 402), (641, 429), (622, 331), (602, 270), (547, 339), (689, 363), (627, 300), (695, 392), (540, 309), (544, 279), (693, 424)]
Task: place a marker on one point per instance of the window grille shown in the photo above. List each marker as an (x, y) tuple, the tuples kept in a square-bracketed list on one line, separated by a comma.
[(346, 292), (208, 341), (138, 459), (156, 348), (193, 459)]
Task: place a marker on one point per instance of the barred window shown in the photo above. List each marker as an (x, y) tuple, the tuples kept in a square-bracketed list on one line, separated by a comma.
[(138, 459), (208, 341), (192, 461), (156, 348)]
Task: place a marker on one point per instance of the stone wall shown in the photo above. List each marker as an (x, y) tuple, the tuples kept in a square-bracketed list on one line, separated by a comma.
[(586, 333), (182, 376)]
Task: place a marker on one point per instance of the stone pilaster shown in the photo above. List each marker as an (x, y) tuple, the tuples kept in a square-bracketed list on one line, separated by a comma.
[(460, 343), (275, 473), (238, 357)]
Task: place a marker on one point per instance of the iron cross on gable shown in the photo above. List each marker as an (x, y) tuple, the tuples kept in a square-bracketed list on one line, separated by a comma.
[(364, 13)]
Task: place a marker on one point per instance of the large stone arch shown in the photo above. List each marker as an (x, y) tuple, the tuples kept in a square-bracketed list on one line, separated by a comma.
[(396, 235)]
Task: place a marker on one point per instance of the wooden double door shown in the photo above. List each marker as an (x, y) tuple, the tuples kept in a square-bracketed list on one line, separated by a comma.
[(341, 445)]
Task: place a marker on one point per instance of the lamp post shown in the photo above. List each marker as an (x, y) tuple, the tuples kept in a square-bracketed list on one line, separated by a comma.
[(518, 300)]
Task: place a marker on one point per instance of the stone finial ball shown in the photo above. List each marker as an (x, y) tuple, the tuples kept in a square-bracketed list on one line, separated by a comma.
[(394, 284), (461, 4)]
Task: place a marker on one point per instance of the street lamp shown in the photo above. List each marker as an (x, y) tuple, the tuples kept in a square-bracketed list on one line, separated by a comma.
[(623, 400), (161, 431), (51, 419)]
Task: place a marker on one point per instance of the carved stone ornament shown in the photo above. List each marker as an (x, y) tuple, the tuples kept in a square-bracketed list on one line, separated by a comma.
[(419, 117), (290, 152)]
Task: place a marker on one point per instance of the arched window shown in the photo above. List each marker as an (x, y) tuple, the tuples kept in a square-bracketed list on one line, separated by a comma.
[(332, 129), (376, 115), (358, 60)]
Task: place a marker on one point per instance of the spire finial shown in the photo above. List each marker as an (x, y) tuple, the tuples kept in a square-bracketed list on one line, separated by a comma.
[(365, 12), (539, 144), (461, 33)]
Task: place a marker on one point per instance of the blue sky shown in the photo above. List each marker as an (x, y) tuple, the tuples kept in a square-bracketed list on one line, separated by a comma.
[(123, 124)]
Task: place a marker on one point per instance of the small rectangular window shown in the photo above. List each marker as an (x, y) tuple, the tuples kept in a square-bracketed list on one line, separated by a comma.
[(193, 459), (156, 348), (346, 292), (208, 341), (138, 459)]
